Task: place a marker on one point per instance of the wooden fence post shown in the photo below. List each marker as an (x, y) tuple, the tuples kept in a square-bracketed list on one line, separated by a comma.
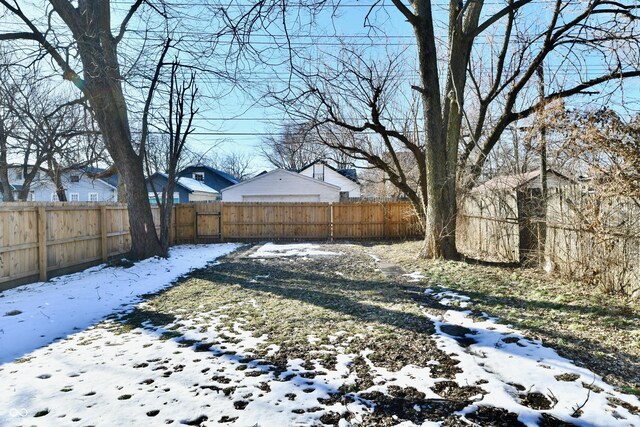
[(385, 219), (221, 222), (42, 243), (103, 234), (195, 224)]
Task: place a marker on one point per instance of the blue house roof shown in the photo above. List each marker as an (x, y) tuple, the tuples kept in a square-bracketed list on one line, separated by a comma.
[(225, 175), (213, 177)]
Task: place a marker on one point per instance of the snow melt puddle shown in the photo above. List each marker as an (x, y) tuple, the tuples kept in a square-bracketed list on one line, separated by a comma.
[(522, 375), (272, 250)]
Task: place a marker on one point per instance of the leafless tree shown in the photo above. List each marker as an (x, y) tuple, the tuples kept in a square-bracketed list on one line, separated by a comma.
[(178, 125), (43, 128), (294, 147), (607, 147), (99, 79), (239, 165), (7, 123), (465, 71), (89, 48)]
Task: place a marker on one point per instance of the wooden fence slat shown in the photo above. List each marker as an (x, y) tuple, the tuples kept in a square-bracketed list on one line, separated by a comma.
[(42, 244), (103, 234)]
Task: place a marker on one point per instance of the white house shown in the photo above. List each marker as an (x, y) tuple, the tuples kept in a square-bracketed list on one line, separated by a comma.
[(346, 179), (16, 180), (280, 185), (80, 186)]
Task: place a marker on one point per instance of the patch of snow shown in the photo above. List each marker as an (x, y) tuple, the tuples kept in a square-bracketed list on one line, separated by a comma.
[(512, 366), (416, 276), (55, 309), (134, 378), (272, 250), (313, 339), (450, 298)]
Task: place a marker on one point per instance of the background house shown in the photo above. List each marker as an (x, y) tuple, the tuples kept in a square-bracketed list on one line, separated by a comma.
[(17, 178), (346, 179), (80, 185), (186, 189), (280, 185), (211, 177)]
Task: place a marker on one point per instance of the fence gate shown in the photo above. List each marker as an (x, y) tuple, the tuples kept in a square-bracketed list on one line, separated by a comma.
[(208, 220)]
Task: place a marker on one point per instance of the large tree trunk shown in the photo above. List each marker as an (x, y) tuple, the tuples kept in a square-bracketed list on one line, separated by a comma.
[(443, 120), (112, 117), (102, 86), (440, 210)]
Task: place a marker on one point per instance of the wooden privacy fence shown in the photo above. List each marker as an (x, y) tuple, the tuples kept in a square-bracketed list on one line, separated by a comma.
[(595, 239), (42, 240), (487, 227), (298, 221), (592, 238)]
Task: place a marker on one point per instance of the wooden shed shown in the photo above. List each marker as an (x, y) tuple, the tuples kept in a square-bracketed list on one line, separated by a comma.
[(503, 219)]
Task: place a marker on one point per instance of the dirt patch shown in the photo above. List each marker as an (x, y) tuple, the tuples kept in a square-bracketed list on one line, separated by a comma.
[(567, 377), (452, 391), (536, 400), (492, 416), (407, 404)]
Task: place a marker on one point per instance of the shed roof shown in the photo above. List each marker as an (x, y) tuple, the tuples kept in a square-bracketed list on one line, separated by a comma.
[(514, 181)]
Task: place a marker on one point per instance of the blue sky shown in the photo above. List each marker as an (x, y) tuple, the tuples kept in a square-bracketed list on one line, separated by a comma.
[(236, 121)]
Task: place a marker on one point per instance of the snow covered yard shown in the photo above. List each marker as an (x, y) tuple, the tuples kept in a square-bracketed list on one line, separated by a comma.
[(37, 314), (290, 335)]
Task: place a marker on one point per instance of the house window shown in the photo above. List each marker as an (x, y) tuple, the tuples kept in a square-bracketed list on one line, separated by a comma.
[(31, 197), (198, 176), (54, 197), (18, 174), (318, 172), (152, 198), (75, 178), (74, 197), (93, 197)]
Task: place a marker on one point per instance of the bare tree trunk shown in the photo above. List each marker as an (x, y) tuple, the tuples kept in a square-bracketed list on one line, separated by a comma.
[(91, 25), (543, 142), (442, 128), (53, 171), (5, 187), (29, 175)]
